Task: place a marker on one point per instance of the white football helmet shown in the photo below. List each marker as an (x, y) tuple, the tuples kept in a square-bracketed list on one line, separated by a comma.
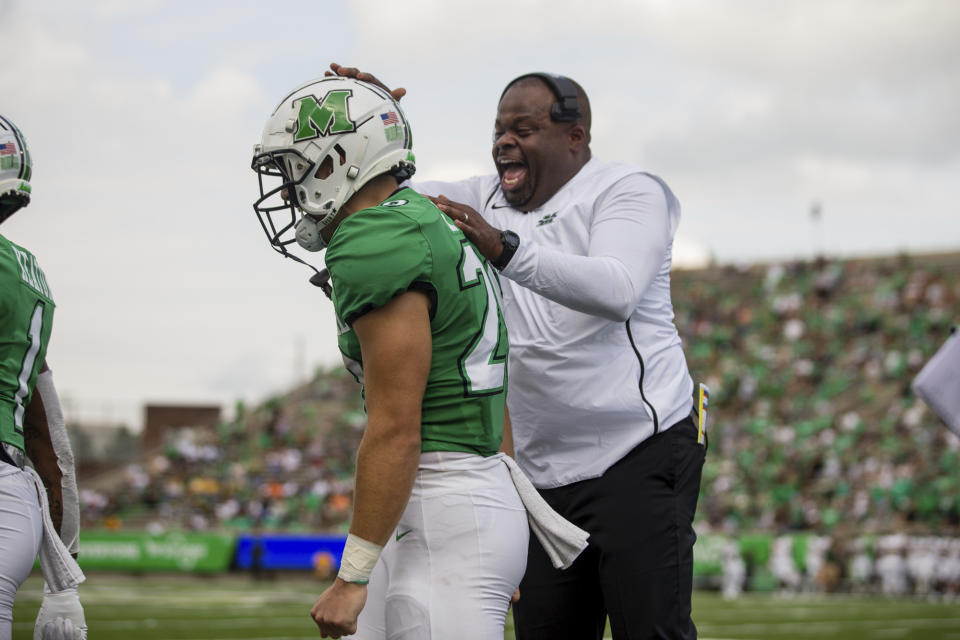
[(16, 169), (323, 142)]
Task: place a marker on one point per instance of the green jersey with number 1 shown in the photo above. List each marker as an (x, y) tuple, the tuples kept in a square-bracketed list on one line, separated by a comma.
[(26, 317), (404, 244)]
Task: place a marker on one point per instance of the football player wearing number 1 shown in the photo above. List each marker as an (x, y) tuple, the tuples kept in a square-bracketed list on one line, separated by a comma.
[(439, 529), (39, 510)]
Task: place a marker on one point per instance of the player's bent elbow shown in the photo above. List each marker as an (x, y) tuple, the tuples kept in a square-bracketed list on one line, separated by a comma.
[(406, 441), (398, 435), (401, 447)]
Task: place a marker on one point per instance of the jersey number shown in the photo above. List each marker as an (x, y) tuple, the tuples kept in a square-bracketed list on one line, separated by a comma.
[(29, 358), (483, 365)]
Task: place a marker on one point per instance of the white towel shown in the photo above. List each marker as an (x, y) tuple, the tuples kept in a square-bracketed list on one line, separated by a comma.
[(561, 539), (59, 568), (938, 383)]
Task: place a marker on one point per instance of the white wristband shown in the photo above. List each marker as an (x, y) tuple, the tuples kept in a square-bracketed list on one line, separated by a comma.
[(359, 558)]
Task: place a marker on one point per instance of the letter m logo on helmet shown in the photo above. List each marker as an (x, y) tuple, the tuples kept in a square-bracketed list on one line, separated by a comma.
[(324, 118)]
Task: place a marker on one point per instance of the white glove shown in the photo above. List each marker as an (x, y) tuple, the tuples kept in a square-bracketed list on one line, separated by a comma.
[(61, 617)]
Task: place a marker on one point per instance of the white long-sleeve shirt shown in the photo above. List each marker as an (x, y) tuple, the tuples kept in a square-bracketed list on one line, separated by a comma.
[(596, 365)]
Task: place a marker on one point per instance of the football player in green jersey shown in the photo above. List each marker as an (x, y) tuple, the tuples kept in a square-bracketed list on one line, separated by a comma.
[(39, 510), (439, 531)]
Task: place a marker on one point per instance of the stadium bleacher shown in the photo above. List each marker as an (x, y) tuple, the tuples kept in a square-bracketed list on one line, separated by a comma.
[(813, 429)]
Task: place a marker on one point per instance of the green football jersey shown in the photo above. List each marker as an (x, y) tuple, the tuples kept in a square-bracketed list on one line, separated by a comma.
[(406, 243), (26, 317)]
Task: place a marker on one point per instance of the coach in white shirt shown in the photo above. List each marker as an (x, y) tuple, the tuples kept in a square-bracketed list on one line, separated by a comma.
[(599, 392)]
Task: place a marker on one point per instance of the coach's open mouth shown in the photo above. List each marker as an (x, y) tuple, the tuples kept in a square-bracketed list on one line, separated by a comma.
[(512, 173)]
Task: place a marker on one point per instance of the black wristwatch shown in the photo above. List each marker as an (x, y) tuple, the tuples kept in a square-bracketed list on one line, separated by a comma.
[(510, 242)]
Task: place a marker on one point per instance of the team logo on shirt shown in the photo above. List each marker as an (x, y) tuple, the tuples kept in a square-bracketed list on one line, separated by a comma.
[(328, 116), (395, 203), (547, 219)]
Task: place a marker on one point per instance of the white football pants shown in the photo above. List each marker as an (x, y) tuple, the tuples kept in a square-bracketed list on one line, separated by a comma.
[(456, 558), (21, 530)]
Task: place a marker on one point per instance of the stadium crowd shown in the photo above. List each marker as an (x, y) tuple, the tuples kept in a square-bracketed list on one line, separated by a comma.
[(286, 465), (813, 427)]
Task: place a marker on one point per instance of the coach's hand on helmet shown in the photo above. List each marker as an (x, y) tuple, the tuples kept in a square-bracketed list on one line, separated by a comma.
[(483, 236), (363, 76)]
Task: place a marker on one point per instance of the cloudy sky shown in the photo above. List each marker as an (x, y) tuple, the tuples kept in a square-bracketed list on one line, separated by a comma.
[(142, 115)]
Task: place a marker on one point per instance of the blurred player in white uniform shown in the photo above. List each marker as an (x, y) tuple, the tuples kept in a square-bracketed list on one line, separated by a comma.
[(734, 571), (892, 567), (782, 566), (861, 567), (922, 565), (948, 569), (815, 559)]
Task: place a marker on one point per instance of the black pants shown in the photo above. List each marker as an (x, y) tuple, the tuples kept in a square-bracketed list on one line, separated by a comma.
[(638, 568)]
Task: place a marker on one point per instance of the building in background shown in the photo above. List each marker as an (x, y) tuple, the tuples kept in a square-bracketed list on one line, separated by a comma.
[(159, 419)]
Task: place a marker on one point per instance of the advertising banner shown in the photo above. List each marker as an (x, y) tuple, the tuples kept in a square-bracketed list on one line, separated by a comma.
[(290, 552), (130, 551)]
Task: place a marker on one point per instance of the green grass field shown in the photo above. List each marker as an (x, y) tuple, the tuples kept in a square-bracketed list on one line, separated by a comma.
[(235, 607)]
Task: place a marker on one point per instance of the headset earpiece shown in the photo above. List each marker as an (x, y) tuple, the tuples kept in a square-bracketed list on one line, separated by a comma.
[(566, 108)]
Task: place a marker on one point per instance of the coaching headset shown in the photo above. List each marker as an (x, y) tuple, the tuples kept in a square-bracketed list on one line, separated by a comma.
[(566, 108)]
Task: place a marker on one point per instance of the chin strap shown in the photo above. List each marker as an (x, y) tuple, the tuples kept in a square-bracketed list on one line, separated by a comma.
[(322, 279)]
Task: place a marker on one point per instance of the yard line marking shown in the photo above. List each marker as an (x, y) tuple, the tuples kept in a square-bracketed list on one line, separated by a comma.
[(154, 623), (828, 625)]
